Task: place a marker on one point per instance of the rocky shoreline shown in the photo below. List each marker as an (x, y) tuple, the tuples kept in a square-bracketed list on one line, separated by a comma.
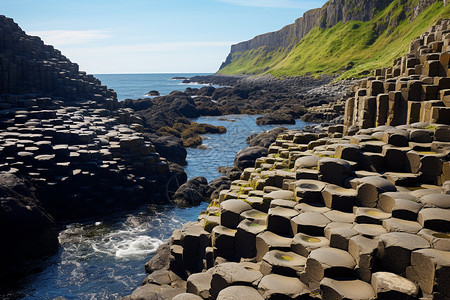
[(361, 211)]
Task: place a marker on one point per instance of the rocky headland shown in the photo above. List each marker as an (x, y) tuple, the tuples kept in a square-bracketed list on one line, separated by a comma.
[(68, 150), (360, 211)]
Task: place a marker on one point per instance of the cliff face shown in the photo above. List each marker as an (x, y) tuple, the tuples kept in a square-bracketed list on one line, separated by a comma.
[(327, 17), (27, 65)]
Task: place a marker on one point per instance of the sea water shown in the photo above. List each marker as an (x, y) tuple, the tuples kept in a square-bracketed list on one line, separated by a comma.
[(104, 258), (135, 86)]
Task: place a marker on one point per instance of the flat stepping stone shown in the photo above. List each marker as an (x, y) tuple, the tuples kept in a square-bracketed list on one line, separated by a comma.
[(230, 212), (334, 170), (246, 237), (436, 200), (239, 292), (227, 274), (274, 286), (346, 289), (282, 263), (223, 239), (370, 188), (437, 219), (303, 244), (329, 262), (438, 240), (283, 203), (279, 220), (312, 223), (211, 221), (392, 286), (256, 202), (340, 217), (339, 198), (370, 230), (431, 270), (339, 236), (279, 194), (268, 240), (394, 250), (366, 215), (199, 284), (256, 215), (309, 191), (401, 225), (311, 207)]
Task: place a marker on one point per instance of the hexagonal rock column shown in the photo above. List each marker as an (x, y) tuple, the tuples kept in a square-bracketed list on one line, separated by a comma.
[(334, 170), (199, 284), (339, 198), (274, 286), (394, 250), (438, 240), (255, 215), (363, 250), (339, 236), (230, 212), (437, 219), (303, 244), (279, 220), (227, 274), (267, 241), (392, 286), (401, 205), (283, 263), (246, 237), (280, 194), (346, 289), (223, 239), (194, 241), (366, 215), (239, 292), (369, 189), (435, 200), (431, 269), (329, 262), (309, 191), (311, 223)]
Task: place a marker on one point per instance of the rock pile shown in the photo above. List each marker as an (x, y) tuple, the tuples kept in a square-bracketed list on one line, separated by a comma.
[(67, 149), (29, 66), (359, 212), (415, 89), (343, 217)]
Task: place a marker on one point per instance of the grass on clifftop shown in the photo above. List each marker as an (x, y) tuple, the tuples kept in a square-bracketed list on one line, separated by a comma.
[(351, 49)]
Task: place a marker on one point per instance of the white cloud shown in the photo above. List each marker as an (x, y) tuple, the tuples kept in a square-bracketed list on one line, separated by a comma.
[(300, 4), (70, 37)]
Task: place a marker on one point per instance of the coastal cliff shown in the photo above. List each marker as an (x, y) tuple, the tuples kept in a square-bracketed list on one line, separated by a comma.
[(336, 39)]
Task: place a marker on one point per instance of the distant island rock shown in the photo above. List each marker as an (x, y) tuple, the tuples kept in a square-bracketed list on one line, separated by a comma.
[(179, 78), (153, 93), (186, 81)]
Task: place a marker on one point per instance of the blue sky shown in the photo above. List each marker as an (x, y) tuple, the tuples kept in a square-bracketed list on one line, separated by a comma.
[(151, 36)]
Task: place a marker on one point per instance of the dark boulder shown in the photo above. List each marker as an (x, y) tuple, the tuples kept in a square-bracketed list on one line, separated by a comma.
[(171, 148), (138, 105), (27, 231), (264, 139), (153, 93), (246, 157), (160, 261), (193, 192), (206, 91), (219, 184)]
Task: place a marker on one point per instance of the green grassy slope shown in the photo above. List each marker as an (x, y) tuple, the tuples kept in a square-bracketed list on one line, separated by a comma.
[(350, 49)]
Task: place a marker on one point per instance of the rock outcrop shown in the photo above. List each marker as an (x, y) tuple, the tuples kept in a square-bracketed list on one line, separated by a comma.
[(363, 215), (415, 89), (67, 149)]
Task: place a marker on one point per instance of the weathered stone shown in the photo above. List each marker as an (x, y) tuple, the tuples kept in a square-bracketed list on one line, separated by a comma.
[(391, 285), (239, 292), (282, 263), (274, 286), (346, 289)]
